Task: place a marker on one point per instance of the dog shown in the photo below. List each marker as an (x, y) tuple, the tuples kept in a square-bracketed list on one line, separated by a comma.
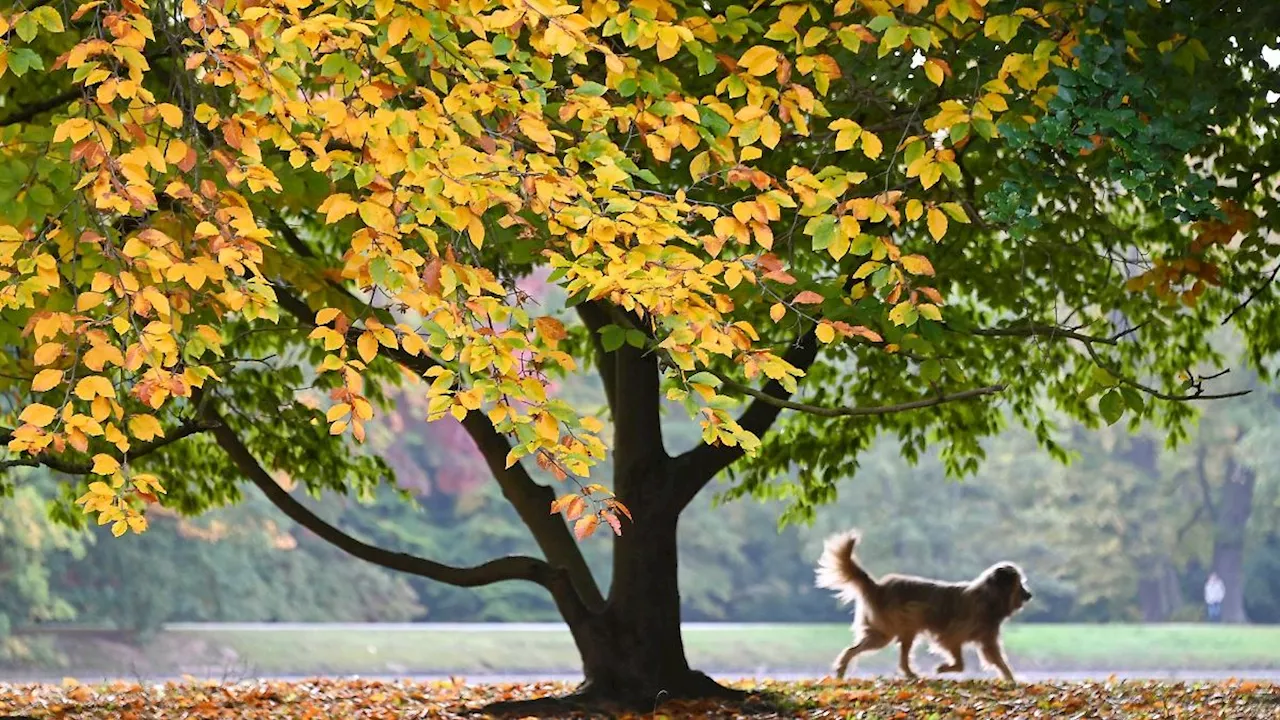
[(902, 607)]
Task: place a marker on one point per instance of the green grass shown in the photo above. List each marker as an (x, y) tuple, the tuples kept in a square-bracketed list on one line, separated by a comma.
[(760, 649)]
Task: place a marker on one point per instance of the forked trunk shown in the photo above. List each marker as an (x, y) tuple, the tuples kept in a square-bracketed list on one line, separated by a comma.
[(632, 651)]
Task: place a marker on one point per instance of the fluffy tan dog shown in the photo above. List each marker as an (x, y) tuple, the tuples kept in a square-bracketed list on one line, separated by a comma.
[(902, 607)]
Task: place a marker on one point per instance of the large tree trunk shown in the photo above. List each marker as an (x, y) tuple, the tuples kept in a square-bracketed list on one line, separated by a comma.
[(633, 650), (1234, 507)]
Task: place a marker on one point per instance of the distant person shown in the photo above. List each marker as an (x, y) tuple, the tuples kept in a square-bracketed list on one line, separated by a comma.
[(1214, 592)]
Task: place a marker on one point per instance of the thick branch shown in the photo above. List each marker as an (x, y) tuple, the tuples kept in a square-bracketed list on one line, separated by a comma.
[(703, 462), (507, 568), (595, 317), (84, 467), (531, 500), (637, 412), (873, 410), (27, 113)]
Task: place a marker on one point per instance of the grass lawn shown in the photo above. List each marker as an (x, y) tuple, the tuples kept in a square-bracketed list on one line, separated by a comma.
[(450, 701), (756, 650)]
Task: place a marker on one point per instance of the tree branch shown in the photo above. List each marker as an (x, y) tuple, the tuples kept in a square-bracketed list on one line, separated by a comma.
[(1199, 394), (704, 461), (508, 568), (1050, 331), (531, 500), (26, 114), (873, 410), (594, 317), (74, 467), (1253, 295)]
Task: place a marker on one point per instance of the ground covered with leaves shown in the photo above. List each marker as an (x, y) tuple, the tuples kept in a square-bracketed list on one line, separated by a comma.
[(826, 699)]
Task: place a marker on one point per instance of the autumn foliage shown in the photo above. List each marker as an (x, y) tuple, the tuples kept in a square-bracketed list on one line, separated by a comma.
[(455, 699), (424, 133)]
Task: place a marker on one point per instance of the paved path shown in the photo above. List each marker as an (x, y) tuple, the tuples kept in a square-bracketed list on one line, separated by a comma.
[(427, 627)]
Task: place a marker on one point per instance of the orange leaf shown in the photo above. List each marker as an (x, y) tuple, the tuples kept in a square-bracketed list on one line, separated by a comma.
[(808, 297), (584, 527)]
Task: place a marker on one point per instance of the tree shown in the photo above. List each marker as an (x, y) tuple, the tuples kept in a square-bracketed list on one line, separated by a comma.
[(215, 213)]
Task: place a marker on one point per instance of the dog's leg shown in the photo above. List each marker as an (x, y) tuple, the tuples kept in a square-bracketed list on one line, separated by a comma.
[(992, 653), (870, 640), (957, 659), (904, 656)]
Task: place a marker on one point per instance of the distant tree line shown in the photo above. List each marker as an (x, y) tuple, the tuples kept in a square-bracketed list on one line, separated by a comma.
[(1128, 531)]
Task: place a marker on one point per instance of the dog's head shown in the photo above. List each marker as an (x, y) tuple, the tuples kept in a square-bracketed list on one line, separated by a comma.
[(1009, 585)]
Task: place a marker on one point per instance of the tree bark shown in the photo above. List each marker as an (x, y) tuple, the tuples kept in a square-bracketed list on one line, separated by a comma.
[(1234, 506), (633, 654)]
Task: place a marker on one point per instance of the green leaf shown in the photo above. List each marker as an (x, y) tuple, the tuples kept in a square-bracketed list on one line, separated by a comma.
[(48, 18), (880, 23), (931, 370), (26, 27), (42, 195), (921, 37), (592, 89), (705, 378), (612, 337), (24, 59), (635, 338), (824, 230), (364, 174), (1133, 399), (713, 121), (1111, 406)]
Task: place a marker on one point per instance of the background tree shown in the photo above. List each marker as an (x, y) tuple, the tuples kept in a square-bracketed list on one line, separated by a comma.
[(219, 206)]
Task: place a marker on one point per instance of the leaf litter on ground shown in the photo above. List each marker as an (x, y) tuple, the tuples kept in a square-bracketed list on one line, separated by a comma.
[(881, 699)]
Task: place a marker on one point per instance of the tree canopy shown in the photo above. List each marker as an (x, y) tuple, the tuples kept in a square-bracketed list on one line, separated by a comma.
[(238, 222)]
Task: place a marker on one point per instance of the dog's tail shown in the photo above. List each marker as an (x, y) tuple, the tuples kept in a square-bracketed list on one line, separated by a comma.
[(838, 568)]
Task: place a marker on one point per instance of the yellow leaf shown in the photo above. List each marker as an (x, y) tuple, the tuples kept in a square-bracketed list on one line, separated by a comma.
[(377, 217), (917, 264), (367, 345), (777, 312), (38, 414), (337, 207), (930, 311), (46, 379), (105, 465), (759, 60), (171, 114), (119, 528), (337, 412), (933, 71), (89, 300), (826, 333), (73, 129), (871, 145), (327, 315), (47, 353), (915, 209), (145, 427), (937, 223), (94, 386)]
